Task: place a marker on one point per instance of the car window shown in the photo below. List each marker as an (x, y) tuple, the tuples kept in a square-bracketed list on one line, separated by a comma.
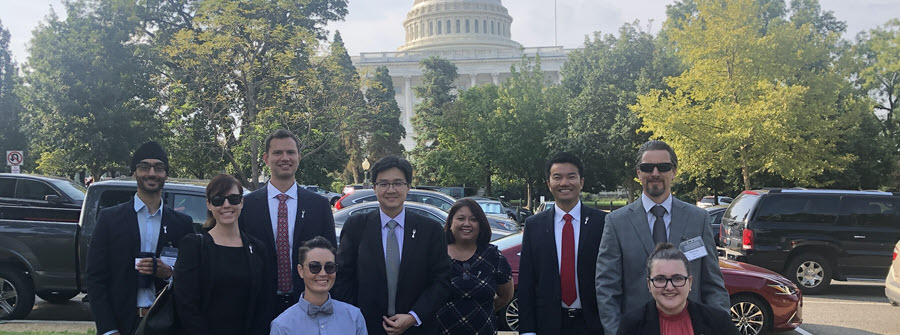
[(739, 211), (872, 211), (430, 199), (365, 199), (111, 198), (34, 190), (70, 188), (491, 208), (716, 218), (427, 215), (7, 187), (192, 205), (800, 208)]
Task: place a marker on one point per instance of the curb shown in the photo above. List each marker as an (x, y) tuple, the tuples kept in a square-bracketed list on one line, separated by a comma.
[(17, 326)]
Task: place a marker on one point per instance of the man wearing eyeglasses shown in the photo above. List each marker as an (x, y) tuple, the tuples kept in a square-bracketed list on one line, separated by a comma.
[(393, 263), (124, 268), (283, 215), (632, 232)]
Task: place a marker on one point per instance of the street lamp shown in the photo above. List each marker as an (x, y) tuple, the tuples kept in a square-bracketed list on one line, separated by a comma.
[(365, 166)]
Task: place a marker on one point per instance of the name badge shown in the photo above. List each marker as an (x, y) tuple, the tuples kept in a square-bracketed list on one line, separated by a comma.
[(169, 255), (693, 248)]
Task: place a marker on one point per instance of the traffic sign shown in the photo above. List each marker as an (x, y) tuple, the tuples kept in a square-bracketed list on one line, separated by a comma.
[(15, 157), (15, 169)]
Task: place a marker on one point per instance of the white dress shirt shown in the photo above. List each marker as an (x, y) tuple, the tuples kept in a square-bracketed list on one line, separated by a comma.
[(651, 219), (271, 194), (558, 224)]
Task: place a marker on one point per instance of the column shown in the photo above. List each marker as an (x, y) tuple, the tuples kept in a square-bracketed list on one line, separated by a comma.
[(474, 78), (496, 77), (408, 112)]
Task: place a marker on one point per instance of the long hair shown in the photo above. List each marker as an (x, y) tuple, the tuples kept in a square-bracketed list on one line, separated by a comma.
[(220, 185), (484, 227)]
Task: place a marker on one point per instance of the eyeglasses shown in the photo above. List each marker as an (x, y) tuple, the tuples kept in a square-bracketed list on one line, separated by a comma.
[(396, 184), (219, 200), (662, 167), (316, 267), (662, 281), (144, 166)]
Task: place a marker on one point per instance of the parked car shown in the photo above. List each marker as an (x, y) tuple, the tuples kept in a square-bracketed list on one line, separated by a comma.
[(814, 236), (438, 199), (499, 227), (352, 188), (501, 208), (761, 300), (545, 206), (715, 220), (709, 200), (331, 196), (892, 281)]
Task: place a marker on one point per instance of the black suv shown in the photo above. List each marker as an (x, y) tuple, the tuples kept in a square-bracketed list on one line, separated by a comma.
[(39, 198), (813, 236)]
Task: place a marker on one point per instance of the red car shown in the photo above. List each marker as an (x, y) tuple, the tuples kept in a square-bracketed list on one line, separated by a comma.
[(761, 300)]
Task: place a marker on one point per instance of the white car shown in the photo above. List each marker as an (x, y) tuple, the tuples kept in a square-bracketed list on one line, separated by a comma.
[(709, 201), (892, 282)]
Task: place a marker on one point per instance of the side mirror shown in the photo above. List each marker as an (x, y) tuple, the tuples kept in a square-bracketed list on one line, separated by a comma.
[(53, 199)]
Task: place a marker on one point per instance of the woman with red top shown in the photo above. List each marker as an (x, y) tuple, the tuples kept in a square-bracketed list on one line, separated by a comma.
[(670, 312)]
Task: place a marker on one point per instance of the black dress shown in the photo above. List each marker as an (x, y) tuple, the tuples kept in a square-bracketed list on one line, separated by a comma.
[(229, 318), (473, 283)]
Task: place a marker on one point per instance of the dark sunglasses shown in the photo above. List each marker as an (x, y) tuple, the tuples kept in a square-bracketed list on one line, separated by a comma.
[(316, 267), (662, 167), (219, 200)]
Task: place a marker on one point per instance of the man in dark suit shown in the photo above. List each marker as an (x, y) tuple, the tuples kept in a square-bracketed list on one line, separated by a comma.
[(393, 263), (122, 277), (282, 215), (632, 232), (559, 255)]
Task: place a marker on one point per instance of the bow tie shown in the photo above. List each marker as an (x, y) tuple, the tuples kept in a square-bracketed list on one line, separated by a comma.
[(326, 309)]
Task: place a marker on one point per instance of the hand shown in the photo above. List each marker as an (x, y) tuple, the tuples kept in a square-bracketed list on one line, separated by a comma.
[(398, 324), (145, 266)]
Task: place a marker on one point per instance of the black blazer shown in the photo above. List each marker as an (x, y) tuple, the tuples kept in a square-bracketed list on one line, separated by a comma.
[(193, 284), (540, 299), (423, 283), (313, 219), (110, 275), (704, 319)]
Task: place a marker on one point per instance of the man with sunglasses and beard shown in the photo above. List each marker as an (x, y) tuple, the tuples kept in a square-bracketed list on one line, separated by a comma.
[(632, 232), (124, 268)]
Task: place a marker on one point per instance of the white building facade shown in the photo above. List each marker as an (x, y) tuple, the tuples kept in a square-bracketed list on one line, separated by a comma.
[(473, 34)]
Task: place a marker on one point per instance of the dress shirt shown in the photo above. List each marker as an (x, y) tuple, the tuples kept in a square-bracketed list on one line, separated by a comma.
[(558, 224), (272, 193), (148, 225), (401, 221), (651, 219), (346, 320)]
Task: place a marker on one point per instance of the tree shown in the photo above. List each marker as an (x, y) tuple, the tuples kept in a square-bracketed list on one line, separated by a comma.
[(436, 92), (878, 55), (87, 90), (749, 99), (340, 75), (384, 129), (10, 107)]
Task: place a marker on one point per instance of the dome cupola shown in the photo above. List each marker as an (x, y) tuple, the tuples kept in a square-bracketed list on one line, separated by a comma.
[(434, 25)]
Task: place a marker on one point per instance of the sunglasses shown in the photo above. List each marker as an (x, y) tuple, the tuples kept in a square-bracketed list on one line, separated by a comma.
[(662, 167), (316, 267), (219, 200)]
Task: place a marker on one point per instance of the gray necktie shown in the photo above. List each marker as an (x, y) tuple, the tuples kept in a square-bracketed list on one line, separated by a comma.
[(392, 266), (659, 226)]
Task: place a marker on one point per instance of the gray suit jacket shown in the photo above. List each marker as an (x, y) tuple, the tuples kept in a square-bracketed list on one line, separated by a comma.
[(622, 261)]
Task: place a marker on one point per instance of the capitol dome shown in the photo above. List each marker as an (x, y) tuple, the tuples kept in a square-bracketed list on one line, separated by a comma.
[(436, 25)]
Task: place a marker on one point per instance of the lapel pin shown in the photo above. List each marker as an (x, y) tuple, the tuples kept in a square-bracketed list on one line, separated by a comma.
[(165, 231), (414, 233), (302, 214), (251, 248), (586, 219)]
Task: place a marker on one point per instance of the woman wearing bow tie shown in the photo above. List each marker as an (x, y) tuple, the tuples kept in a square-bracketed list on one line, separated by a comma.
[(317, 312), (219, 282)]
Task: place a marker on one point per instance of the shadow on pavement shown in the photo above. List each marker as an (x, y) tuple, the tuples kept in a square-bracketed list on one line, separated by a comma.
[(72, 310), (852, 292)]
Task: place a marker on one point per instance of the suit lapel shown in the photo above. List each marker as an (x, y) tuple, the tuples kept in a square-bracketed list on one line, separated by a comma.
[(409, 246), (676, 227), (550, 243), (638, 220), (132, 229), (372, 231), (584, 230), (300, 218)]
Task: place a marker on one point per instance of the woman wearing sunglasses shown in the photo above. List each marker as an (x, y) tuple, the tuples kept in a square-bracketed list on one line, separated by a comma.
[(219, 283), (317, 312), (670, 312)]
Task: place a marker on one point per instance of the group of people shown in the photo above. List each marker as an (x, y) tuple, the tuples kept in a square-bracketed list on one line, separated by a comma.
[(265, 262)]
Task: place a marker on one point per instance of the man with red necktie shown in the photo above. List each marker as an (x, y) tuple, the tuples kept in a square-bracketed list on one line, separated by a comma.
[(559, 254)]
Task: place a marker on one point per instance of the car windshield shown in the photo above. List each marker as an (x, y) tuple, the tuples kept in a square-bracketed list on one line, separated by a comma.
[(71, 189), (491, 207)]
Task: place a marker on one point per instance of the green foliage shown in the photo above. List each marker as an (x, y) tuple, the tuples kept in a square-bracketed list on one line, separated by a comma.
[(384, 129), (435, 94), (877, 56), (10, 107)]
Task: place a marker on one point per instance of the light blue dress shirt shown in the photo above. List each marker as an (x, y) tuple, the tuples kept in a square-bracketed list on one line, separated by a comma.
[(346, 320), (148, 225), (651, 219)]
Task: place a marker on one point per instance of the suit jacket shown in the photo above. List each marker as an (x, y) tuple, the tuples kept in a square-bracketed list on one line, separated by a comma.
[(423, 282), (622, 262), (705, 320), (110, 275), (313, 219), (194, 282), (540, 296)]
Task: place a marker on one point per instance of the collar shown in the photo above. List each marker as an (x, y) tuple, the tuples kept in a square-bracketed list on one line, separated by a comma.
[(559, 213), (304, 305), (648, 204), (271, 191), (401, 218), (139, 205)]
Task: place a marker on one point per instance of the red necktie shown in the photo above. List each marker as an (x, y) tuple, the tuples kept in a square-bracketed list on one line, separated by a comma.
[(283, 247), (567, 268)]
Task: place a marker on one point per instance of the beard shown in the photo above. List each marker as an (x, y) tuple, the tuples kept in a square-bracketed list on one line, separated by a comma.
[(142, 184), (653, 190)]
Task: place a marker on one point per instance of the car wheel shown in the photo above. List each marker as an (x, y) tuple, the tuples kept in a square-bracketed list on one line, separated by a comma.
[(57, 297), (810, 272), (751, 315), (509, 316), (16, 294)]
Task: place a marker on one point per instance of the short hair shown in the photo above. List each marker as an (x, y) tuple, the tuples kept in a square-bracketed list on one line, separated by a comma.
[(484, 227), (389, 162), (314, 243), (564, 157), (281, 133), (667, 251), (219, 185), (653, 145)]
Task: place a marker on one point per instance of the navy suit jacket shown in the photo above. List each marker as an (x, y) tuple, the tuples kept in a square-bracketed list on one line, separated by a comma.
[(110, 276), (313, 219), (540, 295)]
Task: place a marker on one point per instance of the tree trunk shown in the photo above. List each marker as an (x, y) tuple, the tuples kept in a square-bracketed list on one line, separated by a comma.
[(487, 183), (745, 170), (528, 192)]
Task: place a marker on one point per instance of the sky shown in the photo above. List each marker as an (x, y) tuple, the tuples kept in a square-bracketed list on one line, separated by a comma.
[(376, 25)]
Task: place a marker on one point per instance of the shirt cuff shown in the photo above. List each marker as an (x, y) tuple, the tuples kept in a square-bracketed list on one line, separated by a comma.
[(529, 334), (418, 321), (111, 332)]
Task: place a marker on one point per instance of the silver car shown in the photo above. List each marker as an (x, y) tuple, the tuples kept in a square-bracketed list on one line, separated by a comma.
[(892, 282)]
